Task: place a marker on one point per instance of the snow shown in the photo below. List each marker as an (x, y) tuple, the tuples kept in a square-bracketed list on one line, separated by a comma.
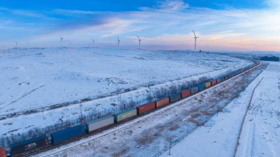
[(149, 134), (260, 135), (34, 81)]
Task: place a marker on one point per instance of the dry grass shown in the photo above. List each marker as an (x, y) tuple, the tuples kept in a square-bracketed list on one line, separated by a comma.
[(193, 121), (206, 113), (174, 127), (195, 115)]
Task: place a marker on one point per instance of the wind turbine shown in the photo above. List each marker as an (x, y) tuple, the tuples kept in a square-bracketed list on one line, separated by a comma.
[(139, 40), (92, 41), (195, 37), (119, 41), (61, 41)]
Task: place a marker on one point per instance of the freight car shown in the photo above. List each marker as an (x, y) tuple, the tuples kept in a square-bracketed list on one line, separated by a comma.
[(213, 82), (175, 97), (68, 133), (162, 102), (219, 80), (28, 145), (99, 123), (124, 115), (3, 152), (185, 93), (145, 108), (227, 77), (65, 134), (194, 90), (207, 84), (201, 87)]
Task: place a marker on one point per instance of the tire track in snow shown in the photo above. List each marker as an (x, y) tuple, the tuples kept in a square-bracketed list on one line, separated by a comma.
[(242, 124)]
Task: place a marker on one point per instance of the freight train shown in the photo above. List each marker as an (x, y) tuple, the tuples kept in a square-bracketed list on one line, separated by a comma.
[(39, 143)]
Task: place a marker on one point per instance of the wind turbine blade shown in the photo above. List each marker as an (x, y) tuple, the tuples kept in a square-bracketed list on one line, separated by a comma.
[(194, 33)]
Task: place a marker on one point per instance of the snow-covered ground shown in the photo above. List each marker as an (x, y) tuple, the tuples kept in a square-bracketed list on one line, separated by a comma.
[(150, 134), (260, 135), (34, 78), (43, 87)]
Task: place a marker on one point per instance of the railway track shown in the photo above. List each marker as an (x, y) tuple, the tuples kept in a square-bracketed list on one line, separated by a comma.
[(110, 129), (243, 120)]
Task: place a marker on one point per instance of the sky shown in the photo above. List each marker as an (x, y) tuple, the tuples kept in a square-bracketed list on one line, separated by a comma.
[(222, 25)]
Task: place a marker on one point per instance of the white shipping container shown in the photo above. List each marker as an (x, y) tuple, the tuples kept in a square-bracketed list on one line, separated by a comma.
[(99, 123)]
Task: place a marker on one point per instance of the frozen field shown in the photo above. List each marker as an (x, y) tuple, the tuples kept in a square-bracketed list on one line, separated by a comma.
[(43, 87), (150, 134), (37, 78), (261, 130)]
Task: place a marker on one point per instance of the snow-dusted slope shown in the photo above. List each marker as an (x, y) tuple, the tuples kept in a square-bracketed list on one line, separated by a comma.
[(261, 130), (33, 80)]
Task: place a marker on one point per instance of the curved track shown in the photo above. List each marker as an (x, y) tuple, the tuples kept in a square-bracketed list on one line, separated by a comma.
[(105, 131)]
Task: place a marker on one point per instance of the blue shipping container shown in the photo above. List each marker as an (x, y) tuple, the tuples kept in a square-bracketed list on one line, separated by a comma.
[(226, 77), (174, 97), (194, 90), (67, 133), (201, 87)]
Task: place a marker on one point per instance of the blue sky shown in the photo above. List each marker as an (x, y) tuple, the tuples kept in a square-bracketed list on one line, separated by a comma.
[(221, 24)]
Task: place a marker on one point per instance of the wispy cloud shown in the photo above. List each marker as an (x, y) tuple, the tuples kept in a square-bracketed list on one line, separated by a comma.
[(173, 5), (25, 13), (167, 23)]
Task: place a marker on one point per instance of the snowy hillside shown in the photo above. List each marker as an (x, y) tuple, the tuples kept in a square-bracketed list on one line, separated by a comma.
[(151, 134), (260, 135), (43, 87)]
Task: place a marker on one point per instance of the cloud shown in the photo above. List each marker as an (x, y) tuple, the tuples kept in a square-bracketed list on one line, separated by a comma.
[(23, 13), (173, 5), (273, 3), (169, 23)]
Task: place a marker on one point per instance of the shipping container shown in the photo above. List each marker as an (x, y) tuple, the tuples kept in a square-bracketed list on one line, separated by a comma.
[(3, 152), (124, 115), (174, 98), (145, 108), (27, 145), (227, 77), (162, 102), (237, 72), (207, 84), (201, 87), (185, 93), (231, 74), (219, 80), (241, 70), (99, 123), (194, 90), (213, 82), (68, 133)]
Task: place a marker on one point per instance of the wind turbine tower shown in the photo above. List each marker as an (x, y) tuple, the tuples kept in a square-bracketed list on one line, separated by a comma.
[(61, 41), (139, 40), (119, 41), (92, 41), (195, 37)]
